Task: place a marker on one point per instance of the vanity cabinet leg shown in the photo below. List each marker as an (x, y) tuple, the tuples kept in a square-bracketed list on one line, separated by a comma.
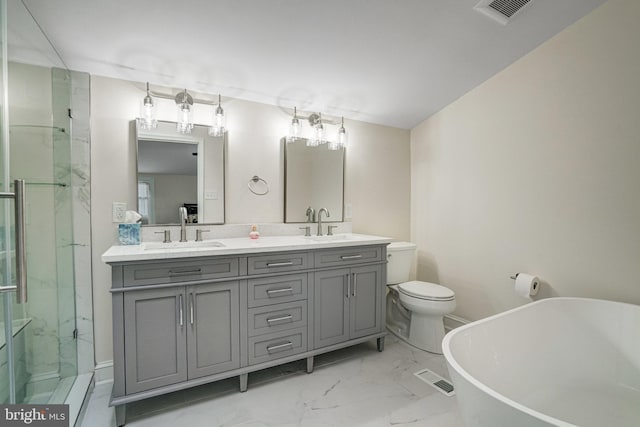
[(121, 412), (309, 364), (381, 344), (244, 378)]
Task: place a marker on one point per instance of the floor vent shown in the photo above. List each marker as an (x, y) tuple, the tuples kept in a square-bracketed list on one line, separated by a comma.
[(436, 381), (501, 10)]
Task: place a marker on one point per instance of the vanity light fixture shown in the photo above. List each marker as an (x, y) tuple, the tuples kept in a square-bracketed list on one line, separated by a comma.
[(319, 135), (342, 138), (294, 128), (184, 101), (148, 112), (219, 121), (319, 131), (185, 104)]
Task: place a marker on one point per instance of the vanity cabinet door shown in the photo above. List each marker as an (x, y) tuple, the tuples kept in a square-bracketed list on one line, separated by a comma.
[(155, 338), (331, 307), (347, 304), (365, 301), (213, 318)]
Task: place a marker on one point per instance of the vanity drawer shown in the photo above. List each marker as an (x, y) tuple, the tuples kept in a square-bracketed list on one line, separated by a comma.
[(175, 272), (348, 256), (274, 290), (277, 317), (276, 263), (275, 346)]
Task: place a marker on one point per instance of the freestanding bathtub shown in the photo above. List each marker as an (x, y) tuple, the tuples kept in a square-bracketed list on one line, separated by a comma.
[(554, 362)]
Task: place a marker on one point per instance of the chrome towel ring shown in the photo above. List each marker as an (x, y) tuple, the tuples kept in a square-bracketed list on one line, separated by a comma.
[(253, 181)]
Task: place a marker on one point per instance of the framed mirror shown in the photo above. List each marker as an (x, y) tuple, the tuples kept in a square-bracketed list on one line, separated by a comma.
[(175, 170), (314, 178)]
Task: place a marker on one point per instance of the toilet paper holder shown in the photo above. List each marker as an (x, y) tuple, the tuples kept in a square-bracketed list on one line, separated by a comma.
[(514, 277)]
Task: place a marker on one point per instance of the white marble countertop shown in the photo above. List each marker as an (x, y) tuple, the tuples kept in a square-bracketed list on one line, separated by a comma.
[(235, 246)]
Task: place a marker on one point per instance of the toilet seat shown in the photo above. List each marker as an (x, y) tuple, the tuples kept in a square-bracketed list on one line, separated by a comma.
[(426, 291)]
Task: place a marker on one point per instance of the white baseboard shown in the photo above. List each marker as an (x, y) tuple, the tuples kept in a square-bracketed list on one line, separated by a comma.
[(452, 321), (104, 372)]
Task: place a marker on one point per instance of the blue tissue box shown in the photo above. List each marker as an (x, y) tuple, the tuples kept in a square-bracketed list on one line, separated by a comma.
[(129, 234)]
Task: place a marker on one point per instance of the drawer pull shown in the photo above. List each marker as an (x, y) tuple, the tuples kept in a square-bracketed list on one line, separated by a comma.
[(179, 272), (348, 257), (278, 291), (280, 319), (180, 304), (280, 347), (279, 264)]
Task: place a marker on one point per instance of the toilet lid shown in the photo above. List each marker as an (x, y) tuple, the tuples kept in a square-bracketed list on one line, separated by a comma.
[(426, 290)]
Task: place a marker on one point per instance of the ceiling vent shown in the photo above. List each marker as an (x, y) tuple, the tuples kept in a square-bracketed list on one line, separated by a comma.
[(501, 10)]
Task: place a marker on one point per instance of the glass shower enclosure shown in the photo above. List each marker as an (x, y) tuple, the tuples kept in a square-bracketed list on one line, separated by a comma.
[(38, 336)]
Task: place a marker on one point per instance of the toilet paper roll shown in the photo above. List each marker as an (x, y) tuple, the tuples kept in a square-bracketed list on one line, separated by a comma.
[(527, 285)]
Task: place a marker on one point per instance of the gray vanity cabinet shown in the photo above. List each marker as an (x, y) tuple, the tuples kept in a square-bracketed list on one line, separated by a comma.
[(366, 301), (213, 336), (331, 307), (182, 333), (154, 339), (183, 322), (347, 304)]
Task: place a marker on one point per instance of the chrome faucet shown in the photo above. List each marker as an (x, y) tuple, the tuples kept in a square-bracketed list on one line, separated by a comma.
[(320, 219), (182, 212)]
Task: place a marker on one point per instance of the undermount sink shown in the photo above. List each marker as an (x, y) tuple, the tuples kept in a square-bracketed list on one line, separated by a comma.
[(182, 245), (332, 238)]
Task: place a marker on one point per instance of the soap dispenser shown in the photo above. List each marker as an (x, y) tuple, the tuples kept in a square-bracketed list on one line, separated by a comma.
[(254, 234)]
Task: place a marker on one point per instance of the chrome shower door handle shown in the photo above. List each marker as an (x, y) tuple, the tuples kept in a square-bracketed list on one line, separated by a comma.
[(21, 250), (21, 239)]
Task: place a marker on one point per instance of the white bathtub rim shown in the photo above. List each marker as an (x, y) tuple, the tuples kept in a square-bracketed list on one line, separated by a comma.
[(446, 350)]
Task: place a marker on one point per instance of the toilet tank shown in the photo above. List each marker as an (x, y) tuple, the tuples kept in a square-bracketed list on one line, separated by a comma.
[(399, 256)]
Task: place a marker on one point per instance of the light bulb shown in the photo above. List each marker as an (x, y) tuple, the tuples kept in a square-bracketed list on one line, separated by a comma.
[(148, 112), (342, 136), (184, 124), (219, 121), (294, 128), (321, 135)]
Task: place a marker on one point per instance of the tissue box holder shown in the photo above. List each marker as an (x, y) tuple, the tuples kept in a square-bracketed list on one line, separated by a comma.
[(129, 234)]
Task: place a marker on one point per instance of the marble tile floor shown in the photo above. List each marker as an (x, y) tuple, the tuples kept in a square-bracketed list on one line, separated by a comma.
[(356, 386)]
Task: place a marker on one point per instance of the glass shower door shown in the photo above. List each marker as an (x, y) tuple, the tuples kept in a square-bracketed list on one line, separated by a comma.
[(7, 378), (38, 356)]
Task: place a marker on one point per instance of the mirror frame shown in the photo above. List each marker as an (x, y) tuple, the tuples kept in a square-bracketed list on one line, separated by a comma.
[(200, 179)]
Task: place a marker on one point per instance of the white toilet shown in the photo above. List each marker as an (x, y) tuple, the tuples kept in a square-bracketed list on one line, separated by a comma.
[(415, 309)]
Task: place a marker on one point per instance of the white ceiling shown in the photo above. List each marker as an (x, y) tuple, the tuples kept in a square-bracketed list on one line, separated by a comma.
[(392, 62)]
